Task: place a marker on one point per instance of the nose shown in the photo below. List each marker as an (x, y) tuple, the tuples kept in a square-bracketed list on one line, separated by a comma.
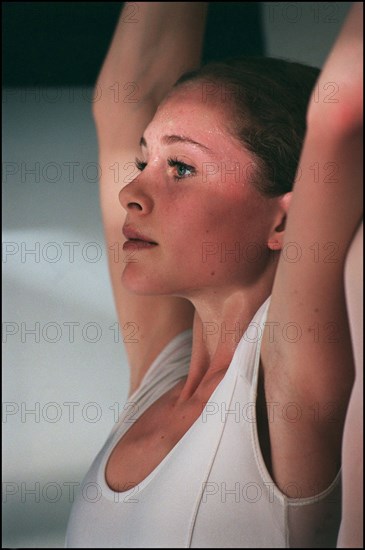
[(133, 197)]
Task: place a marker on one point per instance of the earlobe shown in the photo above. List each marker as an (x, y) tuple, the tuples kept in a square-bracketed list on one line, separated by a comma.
[(277, 236), (276, 241), (274, 244)]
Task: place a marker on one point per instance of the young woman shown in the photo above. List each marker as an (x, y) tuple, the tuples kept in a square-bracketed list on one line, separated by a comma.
[(241, 360)]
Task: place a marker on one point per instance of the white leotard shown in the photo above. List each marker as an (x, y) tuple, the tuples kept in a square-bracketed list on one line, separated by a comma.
[(213, 489)]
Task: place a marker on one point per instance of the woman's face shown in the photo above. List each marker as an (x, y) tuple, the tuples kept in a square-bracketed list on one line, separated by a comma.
[(194, 199)]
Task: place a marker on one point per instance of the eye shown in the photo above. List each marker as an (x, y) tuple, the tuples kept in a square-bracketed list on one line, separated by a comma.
[(181, 169)]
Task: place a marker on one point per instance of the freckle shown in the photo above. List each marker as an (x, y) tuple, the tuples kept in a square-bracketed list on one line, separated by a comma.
[(212, 272), (316, 310), (162, 436), (207, 230)]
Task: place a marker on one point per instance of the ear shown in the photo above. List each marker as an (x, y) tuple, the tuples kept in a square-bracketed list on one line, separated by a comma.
[(276, 237)]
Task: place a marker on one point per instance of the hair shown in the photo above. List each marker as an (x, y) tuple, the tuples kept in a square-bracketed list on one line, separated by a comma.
[(268, 99)]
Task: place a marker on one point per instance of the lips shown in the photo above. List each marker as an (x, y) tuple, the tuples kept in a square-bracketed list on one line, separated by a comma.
[(135, 236)]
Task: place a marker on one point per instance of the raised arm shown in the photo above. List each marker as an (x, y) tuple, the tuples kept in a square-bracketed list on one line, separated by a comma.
[(309, 361), (153, 44), (347, 61)]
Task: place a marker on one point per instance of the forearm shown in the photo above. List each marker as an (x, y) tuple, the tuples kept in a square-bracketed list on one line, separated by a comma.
[(337, 99), (153, 44)]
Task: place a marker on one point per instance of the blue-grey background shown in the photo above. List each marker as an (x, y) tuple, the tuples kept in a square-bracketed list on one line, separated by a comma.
[(65, 375)]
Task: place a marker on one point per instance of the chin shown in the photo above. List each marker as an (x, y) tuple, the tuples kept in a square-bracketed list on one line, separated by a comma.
[(142, 284), (151, 283)]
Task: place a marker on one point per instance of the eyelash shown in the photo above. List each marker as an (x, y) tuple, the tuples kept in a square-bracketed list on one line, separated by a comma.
[(173, 162)]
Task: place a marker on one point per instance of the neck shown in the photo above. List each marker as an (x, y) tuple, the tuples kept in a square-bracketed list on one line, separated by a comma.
[(221, 318)]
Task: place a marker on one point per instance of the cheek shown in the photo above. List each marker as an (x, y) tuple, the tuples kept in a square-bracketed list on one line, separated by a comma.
[(210, 241), (201, 226), (236, 219)]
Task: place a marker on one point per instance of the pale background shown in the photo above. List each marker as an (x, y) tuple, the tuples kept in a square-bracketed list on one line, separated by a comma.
[(48, 443)]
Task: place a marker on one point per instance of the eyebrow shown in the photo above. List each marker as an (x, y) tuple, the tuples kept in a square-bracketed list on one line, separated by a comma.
[(170, 140)]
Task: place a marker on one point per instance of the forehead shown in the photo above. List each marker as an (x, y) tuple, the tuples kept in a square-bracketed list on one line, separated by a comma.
[(189, 101), (187, 112)]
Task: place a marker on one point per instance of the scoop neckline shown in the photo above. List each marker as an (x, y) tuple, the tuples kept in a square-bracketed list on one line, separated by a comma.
[(116, 496)]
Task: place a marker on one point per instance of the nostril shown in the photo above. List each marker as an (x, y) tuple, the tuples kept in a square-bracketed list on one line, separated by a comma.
[(134, 205)]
